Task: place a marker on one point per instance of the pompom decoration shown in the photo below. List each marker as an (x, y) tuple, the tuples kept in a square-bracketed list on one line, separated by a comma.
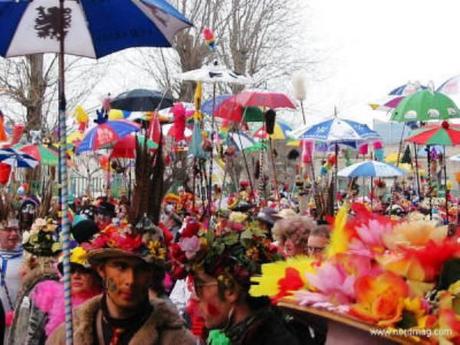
[(81, 117), (209, 38), (298, 84), (178, 128)]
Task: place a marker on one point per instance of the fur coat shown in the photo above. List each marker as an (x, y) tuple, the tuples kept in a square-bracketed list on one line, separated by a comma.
[(163, 327)]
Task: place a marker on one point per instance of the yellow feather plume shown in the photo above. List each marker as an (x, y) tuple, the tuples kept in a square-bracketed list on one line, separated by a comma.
[(80, 115), (267, 284), (339, 236)]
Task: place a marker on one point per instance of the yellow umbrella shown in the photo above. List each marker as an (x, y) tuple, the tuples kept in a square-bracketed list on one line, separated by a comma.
[(116, 114), (74, 136), (392, 158), (293, 143)]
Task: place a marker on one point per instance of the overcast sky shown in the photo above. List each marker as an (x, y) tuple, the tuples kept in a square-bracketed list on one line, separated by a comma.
[(372, 46)]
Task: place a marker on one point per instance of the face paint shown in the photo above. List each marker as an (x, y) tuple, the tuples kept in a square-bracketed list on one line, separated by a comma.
[(111, 286), (211, 309)]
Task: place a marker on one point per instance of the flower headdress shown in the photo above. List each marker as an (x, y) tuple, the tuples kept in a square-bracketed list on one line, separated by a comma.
[(42, 239), (232, 252), (144, 241)]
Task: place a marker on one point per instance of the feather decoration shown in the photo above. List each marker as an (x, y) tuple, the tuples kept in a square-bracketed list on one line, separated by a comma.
[(339, 236)]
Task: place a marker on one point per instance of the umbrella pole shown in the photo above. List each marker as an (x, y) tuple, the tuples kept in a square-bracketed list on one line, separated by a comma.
[(430, 196), (303, 113), (246, 165), (416, 172), (446, 195), (372, 194), (275, 181), (65, 231), (212, 151), (400, 145)]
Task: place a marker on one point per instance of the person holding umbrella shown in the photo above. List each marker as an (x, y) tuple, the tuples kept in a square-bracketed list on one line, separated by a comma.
[(125, 258)]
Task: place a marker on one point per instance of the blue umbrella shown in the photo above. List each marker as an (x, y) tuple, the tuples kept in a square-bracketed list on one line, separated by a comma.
[(17, 158), (336, 130), (85, 28), (371, 169), (206, 107)]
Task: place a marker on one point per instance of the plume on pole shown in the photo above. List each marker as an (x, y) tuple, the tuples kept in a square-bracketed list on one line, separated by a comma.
[(300, 90)]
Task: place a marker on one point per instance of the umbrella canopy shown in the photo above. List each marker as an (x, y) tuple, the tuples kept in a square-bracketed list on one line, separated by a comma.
[(280, 132), (425, 105), (263, 98), (41, 153), (92, 28), (407, 89), (443, 134), (451, 86), (126, 147), (241, 140), (141, 100), (226, 107), (455, 158), (371, 168), (106, 134), (214, 73), (17, 158), (387, 105), (336, 130)]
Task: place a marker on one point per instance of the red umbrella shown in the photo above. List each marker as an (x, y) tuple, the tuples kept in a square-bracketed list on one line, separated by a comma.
[(262, 98), (444, 134)]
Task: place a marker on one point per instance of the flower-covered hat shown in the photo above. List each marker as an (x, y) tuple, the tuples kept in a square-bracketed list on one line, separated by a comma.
[(144, 241), (42, 239), (231, 252), (78, 258)]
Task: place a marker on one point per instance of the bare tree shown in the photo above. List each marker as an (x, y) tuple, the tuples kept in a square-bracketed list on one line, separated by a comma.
[(31, 83), (255, 37)]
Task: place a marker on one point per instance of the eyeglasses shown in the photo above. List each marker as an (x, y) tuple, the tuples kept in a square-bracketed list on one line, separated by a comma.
[(198, 287), (314, 250)]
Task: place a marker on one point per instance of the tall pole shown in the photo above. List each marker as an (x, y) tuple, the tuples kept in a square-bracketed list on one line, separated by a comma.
[(65, 231)]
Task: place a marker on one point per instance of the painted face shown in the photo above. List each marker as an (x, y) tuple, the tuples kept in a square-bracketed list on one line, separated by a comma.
[(127, 281), (316, 245), (9, 238), (214, 309), (83, 282)]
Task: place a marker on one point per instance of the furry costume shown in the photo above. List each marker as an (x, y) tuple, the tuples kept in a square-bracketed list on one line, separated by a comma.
[(163, 326), (28, 326)]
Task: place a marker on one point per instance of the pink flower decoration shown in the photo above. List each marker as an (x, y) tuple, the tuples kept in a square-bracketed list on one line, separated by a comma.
[(333, 282), (190, 245)]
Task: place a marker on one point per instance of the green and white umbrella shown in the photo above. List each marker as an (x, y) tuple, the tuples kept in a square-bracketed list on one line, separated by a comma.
[(425, 105)]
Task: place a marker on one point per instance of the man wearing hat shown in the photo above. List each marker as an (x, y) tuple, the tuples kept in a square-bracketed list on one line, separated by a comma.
[(124, 258)]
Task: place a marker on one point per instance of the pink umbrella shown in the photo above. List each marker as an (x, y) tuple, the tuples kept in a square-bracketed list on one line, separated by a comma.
[(262, 98)]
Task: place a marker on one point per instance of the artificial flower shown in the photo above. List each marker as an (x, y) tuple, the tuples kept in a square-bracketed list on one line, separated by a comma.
[(190, 246), (79, 256), (380, 299)]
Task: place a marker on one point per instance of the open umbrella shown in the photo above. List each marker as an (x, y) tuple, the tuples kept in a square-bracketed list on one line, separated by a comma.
[(84, 28), (407, 89), (370, 168), (264, 98), (214, 73), (336, 130), (280, 132), (443, 134), (425, 105), (106, 135), (226, 107), (17, 158), (126, 147), (41, 153), (141, 100)]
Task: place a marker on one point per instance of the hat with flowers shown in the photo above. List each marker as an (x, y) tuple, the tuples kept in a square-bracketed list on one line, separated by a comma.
[(144, 241), (78, 259), (231, 252), (43, 238)]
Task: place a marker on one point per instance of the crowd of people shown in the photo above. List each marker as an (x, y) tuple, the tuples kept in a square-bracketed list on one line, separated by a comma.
[(176, 282)]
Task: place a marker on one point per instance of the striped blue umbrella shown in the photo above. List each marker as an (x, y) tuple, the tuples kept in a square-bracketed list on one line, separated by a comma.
[(336, 130), (17, 158), (371, 168)]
